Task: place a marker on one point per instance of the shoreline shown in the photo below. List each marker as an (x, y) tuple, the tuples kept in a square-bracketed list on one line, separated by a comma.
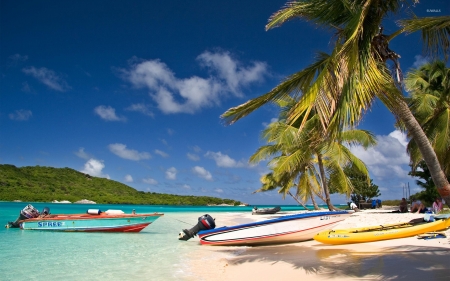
[(311, 260)]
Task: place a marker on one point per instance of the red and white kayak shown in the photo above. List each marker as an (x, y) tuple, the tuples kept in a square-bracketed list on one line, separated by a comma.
[(285, 229)]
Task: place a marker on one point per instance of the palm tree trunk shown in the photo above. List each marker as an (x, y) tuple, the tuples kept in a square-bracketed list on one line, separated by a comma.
[(321, 197), (324, 184), (316, 207), (298, 201), (428, 154)]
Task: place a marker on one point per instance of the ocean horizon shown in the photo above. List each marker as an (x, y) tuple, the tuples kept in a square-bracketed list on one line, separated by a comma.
[(155, 253)]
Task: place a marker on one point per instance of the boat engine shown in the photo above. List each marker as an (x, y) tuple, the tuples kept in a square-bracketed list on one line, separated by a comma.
[(205, 222), (28, 212)]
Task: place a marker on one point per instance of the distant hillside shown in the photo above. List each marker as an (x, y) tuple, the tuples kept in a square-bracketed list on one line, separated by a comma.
[(45, 184)]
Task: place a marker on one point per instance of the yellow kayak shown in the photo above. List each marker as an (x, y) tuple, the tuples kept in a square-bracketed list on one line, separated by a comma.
[(378, 233)]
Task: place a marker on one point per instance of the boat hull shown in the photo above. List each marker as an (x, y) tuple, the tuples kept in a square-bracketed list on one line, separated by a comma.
[(378, 233), (90, 223), (266, 211), (286, 229)]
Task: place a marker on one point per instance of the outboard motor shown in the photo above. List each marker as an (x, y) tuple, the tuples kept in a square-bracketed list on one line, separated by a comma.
[(205, 222), (28, 212)]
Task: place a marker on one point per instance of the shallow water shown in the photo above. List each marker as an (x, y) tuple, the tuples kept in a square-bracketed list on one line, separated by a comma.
[(152, 254)]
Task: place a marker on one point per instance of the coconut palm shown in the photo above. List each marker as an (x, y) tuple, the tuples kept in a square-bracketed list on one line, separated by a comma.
[(341, 86), (306, 161), (429, 88)]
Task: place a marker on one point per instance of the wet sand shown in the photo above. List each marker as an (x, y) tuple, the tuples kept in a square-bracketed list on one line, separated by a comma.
[(397, 259)]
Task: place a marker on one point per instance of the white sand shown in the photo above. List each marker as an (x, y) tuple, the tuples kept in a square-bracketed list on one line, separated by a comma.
[(406, 258)]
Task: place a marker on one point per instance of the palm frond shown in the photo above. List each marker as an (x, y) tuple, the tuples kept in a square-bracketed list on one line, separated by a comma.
[(322, 12), (435, 33), (293, 84)]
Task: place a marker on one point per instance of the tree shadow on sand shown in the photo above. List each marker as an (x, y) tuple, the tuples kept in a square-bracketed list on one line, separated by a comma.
[(403, 262)]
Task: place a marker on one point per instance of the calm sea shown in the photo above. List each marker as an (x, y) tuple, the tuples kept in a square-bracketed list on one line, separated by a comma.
[(152, 254)]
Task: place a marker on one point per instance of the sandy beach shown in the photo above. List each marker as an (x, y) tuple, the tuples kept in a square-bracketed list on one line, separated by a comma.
[(406, 258)]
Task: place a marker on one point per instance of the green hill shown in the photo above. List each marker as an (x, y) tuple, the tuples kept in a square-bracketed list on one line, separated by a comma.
[(45, 184)]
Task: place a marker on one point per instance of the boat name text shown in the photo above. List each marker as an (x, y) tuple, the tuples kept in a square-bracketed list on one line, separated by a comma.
[(50, 224)]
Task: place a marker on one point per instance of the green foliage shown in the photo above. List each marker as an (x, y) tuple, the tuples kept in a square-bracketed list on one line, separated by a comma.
[(429, 101), (363, 189), (430, 193), (391, 202), (45, 184)]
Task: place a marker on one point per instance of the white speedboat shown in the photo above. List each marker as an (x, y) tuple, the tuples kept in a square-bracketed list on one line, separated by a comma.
[(280, 230)]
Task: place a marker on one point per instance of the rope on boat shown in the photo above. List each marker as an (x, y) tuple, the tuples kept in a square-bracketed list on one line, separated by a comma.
[(181, 221)]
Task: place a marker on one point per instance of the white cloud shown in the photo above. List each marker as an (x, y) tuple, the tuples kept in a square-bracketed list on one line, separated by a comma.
[(400, 136), (47, 77), (171, 173), (141, 108), (170, 131), (388, 158), (186, 186), (218, 190), (94, 168), (150, 181), (128, 178), (161, 153), (189, 95), (130, 154), (223, 160), (20, 115), (202, 173), (231, 71), (419, 61), (192, 156), (108, 113), (82, 154), (197, 149), (273, 120), (18, 58)]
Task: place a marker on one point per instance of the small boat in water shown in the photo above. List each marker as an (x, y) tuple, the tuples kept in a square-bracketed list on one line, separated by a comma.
[(93, 220), (380, 232), (265, 211), (284, 229)]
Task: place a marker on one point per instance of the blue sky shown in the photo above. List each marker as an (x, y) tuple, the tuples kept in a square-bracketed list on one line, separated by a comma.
[(133, 91)]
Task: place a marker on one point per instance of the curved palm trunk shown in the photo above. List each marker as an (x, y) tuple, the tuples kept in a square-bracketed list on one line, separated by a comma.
[(324, 184), (316, 207), (428, 154), (298, 201)]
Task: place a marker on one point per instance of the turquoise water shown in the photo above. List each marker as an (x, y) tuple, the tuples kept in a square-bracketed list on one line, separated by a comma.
[(152, 254)]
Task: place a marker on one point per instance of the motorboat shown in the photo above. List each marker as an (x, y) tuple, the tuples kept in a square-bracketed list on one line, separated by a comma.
[(279, 230), (94, 220)]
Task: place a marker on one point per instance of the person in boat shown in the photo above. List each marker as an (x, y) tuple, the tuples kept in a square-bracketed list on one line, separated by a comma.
[(437, 205), (417, 207), (403, 206), (45, 212)]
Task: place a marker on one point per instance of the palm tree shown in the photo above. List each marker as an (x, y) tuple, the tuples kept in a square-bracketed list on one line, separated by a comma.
[(306, 161), (429, 88), (340, 87)]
